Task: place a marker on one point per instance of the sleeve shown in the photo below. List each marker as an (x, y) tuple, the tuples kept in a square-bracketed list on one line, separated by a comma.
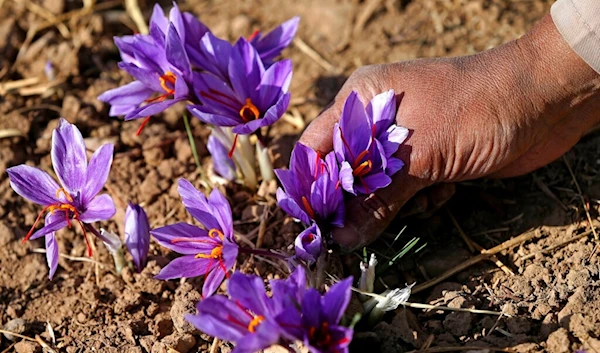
[(578, 21)]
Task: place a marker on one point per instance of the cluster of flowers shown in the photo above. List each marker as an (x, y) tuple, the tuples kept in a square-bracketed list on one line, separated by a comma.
[(362, 161), (238, 86), (248, 316)]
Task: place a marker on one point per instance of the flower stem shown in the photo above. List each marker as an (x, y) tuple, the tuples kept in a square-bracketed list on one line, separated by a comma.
[(264, 162), (188, 129), (263, 252)]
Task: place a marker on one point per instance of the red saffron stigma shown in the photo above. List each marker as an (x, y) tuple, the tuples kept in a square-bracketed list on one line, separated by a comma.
[(253, 35), (144, 123), (230, 154), (307, 207)]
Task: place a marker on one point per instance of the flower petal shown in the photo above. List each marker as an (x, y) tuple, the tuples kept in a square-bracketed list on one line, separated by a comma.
[(33, 184), (275, 82), (206, 115), (394, 165), (223, 165), (265, 336), (176, 54), (336, 300), (382, 110), (137, 234), (245, 70), (149, 78), (53, 222), (394, 137), (213, 279), (215, 54), (291, 207), (69, 157), (98, 171), (271, 45), (51, 254), (151, 109), (355, 126), (249, 291), (347, 178), (158, 18), (198, 205), (222, 212), (166, 235), (100, 208), (372, 182), (311, 308), (215, 316), (187, 266), (133, 93)]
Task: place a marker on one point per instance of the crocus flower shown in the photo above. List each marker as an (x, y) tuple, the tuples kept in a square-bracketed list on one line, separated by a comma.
[(190, 30), (312, 188), (224, 166), (254, 96), (248, 317), (137, 234), (160, 66), (209, 252), (364, 141), (76, 198), (321, 316), (309, 244), (270, 45)]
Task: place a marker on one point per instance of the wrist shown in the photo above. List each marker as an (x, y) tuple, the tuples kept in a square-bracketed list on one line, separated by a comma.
[(551, 78)]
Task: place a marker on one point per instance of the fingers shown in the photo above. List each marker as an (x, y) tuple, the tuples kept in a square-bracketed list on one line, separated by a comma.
[(319, 133), (367, 216), (428, 200)]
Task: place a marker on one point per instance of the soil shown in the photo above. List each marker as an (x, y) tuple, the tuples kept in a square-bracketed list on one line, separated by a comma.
[(551, 303)]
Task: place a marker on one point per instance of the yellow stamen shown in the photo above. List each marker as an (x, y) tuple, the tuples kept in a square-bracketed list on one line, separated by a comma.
[(214, 231), (64, 192), (359, 158), (249, 111), (255, 322), (216, 253), (363, 168), (170, 78), (63, 206)]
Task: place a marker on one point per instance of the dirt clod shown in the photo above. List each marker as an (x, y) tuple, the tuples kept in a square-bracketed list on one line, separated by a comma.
[(27, 347)]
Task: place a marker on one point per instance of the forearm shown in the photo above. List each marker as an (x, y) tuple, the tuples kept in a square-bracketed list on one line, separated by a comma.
[(541, 77)]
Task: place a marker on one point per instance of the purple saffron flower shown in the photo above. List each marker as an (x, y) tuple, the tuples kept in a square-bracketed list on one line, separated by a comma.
[(224, 166), (188, 26), (254, 96), (309, 244), (312, 189), (321, 316), (248, 317), (215, 52), (269, 46), (137, 234), (364, 142), (160, 64), (76, 198), (209, 252)]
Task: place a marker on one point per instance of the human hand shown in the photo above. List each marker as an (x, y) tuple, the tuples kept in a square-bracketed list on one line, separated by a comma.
[(500, 113)]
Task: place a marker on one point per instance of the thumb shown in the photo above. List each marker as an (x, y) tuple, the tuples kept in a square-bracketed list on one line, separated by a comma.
[(367, 216), (319, 133)]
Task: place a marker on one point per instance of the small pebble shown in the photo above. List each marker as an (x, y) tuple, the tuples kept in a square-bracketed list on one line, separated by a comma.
[(14, 326)]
